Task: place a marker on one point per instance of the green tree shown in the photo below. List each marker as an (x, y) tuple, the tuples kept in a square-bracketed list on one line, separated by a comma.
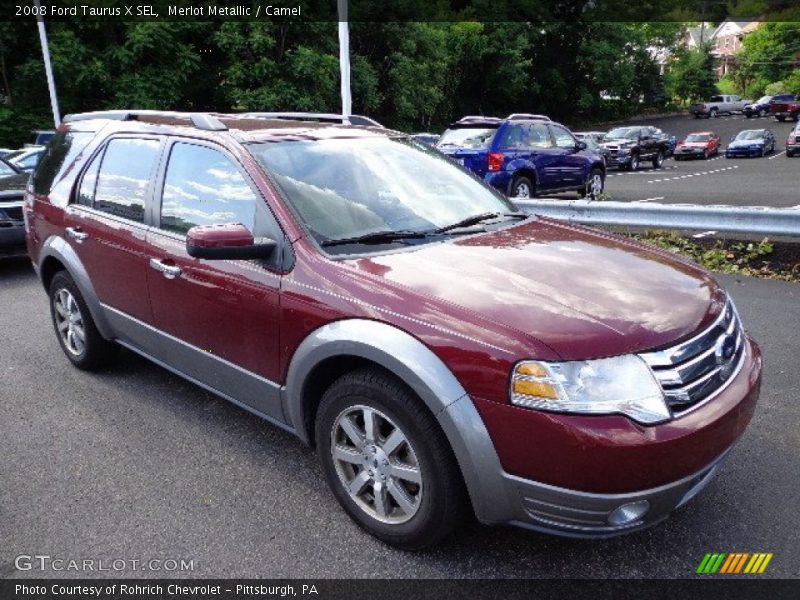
[(690, 75)]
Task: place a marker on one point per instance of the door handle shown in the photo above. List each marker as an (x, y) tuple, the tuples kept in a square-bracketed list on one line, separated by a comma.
[(76, 234), (169, 271)]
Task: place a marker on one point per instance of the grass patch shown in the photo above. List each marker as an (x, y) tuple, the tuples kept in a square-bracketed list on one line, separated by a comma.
[(756, 259)]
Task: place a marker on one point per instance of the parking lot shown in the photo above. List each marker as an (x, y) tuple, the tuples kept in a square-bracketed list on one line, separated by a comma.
[(135, 463), (768, 181)]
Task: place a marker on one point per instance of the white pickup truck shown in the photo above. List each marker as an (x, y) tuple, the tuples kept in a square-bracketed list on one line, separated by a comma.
[(717, 105)]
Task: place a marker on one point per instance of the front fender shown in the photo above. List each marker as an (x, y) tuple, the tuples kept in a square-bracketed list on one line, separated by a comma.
[(425, 373), (57, 248)]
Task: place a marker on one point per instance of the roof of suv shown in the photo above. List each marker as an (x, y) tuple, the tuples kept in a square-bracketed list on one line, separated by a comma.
[(244, 126)]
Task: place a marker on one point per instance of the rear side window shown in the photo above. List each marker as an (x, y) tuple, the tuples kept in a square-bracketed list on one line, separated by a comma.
[(119, 185), (64, 147), (204, 187)]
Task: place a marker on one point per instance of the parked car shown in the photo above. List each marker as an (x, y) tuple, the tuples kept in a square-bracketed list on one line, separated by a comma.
[(12, 226), (793, 142), (785, 106), (701, 144), (629, 146), (26, 158), (759, 108), (717, 105), (524, 155), (427, 138), (442, 351), (750, 143)]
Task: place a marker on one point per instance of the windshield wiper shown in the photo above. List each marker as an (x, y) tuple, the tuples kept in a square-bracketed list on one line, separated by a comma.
[(376, 237), (475, 219)]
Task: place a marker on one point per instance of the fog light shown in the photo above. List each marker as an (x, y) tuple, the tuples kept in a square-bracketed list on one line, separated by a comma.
[(628, 513)]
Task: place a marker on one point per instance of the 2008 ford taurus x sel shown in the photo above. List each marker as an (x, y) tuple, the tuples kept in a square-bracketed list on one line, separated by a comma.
[(444, 352)]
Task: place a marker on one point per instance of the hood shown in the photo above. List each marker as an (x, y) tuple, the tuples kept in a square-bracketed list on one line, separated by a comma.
[(745, 143), (584, 294), (13, 183)]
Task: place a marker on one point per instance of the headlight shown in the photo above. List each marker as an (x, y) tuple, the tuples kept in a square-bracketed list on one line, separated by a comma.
[(624, 150), (622, 384)]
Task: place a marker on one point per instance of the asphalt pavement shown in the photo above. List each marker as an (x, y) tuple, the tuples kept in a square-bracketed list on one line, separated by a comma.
[(769, 181), (134, 463)]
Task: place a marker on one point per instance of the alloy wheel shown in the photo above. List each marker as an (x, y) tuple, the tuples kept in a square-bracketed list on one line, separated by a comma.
[(522, 190), (69, 322), (376, 464)]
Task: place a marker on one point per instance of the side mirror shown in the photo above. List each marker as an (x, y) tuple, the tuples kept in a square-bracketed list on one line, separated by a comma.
[(580, 145), (232, 241)]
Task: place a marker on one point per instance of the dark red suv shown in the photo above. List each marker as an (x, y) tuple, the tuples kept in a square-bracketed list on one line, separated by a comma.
[(444, 352)]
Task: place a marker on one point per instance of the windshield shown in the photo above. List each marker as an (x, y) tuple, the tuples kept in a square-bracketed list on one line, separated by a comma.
[(344, 188), (698, 137), (623, 133), (764, 99), (6, 170), (750, 134), (467, 137)]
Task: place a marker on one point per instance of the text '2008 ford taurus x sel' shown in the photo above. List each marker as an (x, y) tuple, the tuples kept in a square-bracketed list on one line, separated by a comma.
[(443, 352)]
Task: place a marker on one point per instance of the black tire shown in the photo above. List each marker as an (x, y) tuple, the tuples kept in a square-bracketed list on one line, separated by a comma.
[(634, 164), (95, 351), (705, 154), (588, 190), (761, 112), (795, 116), (521, 183), (442, 505), (781, 119), (712, 114), (658, 159)]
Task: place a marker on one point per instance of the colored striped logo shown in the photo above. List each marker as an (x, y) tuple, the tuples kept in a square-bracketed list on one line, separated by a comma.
[(734, 563)]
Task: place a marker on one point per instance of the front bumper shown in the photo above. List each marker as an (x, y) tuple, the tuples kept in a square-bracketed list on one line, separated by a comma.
[(12, 238), (743, 152), (618, 160), (572, 513), (568, 474), (692, 153)]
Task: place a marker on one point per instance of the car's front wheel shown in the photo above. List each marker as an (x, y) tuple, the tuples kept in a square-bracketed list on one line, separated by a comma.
[(522, 187), (76, 331), (634, 164), (387, 461)]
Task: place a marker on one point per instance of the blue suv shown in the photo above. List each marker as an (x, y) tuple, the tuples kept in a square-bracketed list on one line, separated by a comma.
[(524, 155)]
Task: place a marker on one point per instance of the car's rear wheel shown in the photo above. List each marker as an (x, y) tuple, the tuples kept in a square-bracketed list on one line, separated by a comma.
[(522, 187), (658, 159), (387, 461), (76, 331), (594, 185)]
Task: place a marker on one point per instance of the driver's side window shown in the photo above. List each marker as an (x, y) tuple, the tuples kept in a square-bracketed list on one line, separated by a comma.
[(203, 187), (563, 138)]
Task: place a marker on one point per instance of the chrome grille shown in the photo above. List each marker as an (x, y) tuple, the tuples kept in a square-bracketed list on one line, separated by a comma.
[(692, 371), (13, 213)]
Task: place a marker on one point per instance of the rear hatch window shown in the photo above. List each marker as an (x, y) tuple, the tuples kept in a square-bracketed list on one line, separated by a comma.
[(466, 137)]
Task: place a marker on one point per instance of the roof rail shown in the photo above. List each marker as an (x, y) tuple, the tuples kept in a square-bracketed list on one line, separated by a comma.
[(203, 121), (527, 116), (297, 116)]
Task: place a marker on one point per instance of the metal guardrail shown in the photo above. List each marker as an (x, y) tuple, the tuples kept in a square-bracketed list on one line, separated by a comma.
[(759, 220)]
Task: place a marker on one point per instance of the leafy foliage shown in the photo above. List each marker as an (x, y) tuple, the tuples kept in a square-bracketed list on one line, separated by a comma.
[(408, 75), (691, 76)]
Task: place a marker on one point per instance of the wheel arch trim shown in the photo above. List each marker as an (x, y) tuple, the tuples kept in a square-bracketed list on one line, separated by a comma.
[(426, 374), (56, 247)]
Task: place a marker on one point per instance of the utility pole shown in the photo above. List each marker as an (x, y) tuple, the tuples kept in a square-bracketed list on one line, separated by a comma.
[(344, 58), (48, 68)]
